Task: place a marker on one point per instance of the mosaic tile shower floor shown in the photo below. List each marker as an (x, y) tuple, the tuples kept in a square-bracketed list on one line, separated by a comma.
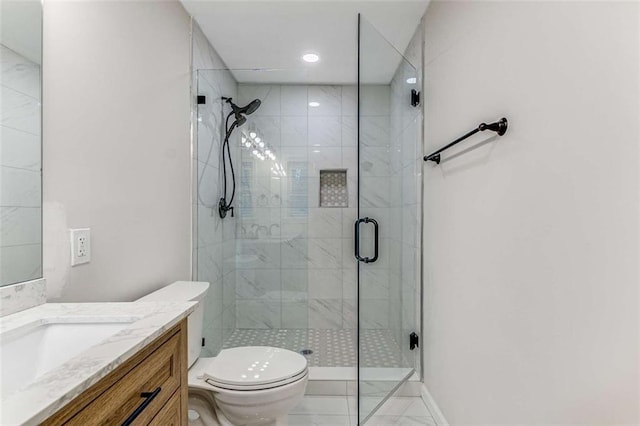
[(331, 348)]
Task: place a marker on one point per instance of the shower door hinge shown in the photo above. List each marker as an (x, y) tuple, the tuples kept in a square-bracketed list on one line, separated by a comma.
[(202, 99), (414, 341), (415, 98), (203, 342)]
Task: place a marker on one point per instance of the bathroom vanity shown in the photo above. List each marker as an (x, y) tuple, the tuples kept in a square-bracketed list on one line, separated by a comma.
[(147, 389), (95, 363)]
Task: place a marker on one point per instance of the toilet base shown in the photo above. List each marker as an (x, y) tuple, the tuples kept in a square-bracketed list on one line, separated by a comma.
[(203, 412), (258, 408), (223, 421), (247, 408), (224, 407)]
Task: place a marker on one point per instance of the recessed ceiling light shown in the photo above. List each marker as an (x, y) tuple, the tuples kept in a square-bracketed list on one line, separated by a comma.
[(314, 104), (412, 80), (310, 57)]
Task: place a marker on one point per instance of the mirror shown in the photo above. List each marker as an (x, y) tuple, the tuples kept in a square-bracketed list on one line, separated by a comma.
[(20, 141)]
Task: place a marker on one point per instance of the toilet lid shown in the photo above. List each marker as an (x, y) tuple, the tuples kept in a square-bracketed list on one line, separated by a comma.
[(255, 367), (220, 387)]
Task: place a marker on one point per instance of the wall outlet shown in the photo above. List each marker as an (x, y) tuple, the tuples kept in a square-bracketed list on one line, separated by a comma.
[(80, 246)]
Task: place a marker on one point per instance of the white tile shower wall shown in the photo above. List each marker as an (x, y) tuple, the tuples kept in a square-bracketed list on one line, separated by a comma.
[(214, 238), (20, 169), (294, 259)]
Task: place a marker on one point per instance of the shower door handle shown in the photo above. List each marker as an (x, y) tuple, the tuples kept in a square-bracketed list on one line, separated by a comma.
[(357, 240), (375, 240)]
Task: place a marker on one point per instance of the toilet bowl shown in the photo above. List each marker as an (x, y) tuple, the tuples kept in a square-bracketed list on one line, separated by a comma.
[(240, 397), (243, 386)]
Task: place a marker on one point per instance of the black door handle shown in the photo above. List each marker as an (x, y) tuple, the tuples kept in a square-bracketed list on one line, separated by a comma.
[(375, 241), (148, 397), (357, 240)]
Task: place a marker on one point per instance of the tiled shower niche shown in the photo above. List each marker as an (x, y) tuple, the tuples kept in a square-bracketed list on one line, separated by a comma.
[(333, 188)]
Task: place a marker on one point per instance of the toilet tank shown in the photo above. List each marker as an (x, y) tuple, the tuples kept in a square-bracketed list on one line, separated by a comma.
[(185, 291)]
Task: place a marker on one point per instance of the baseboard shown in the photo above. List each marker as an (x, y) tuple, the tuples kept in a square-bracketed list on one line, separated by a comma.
[(428, 400)]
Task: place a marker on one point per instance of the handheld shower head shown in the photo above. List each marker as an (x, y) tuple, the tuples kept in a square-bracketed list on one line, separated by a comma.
[(252, 106), (241, 112)]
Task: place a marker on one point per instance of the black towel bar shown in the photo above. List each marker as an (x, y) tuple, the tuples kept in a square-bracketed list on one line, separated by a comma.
[(500, 127)]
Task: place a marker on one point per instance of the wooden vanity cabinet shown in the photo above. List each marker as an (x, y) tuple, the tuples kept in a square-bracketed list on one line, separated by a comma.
[(148, 389)]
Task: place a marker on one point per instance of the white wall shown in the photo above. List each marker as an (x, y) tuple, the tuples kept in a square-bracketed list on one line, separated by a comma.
[(116, 146), (531, 240)]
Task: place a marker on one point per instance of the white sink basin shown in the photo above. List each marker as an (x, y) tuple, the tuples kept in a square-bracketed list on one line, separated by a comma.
[(34, 349)]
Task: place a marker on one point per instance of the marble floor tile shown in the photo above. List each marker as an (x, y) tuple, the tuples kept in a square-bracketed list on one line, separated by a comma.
[(400, 421), (315, 410), (331, 405), (309, 420)]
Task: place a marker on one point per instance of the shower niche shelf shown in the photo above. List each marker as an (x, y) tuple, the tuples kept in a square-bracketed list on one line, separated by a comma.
[(333, 188)]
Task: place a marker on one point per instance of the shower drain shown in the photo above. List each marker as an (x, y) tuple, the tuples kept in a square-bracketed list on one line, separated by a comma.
[(305, 352)]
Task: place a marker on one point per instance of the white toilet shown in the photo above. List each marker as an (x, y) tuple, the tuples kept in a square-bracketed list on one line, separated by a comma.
[(250, 385)]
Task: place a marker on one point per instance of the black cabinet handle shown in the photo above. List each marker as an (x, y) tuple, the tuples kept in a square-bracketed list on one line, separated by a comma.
[(148, 397), (375, 241)]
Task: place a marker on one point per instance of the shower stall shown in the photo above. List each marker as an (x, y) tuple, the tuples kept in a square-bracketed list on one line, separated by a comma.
[(319, 250)]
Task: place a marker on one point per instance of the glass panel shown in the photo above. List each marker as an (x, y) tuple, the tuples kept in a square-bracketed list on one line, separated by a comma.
[(278, 271), (389, 164), (20, 141)]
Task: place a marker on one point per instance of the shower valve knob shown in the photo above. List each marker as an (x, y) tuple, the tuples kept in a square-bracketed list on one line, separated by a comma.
[(222, 208)]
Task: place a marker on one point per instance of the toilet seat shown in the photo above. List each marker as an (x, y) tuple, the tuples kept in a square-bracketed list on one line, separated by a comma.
[(251, 368), (225, 386)]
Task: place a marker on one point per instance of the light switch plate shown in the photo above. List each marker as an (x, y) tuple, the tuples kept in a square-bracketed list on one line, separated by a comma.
[(80, 246)]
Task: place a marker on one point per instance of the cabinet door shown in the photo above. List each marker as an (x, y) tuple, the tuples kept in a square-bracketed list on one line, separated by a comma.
[(170, 414), (149, 384)]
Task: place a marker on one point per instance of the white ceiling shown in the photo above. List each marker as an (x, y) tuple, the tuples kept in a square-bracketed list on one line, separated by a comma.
[(21, 27), (272, 35)]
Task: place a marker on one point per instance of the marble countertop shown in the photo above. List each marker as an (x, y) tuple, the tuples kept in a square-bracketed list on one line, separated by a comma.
[(41, 398)]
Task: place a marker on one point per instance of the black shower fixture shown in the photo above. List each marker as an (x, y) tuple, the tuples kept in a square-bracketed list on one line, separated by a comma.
[(240, 114)]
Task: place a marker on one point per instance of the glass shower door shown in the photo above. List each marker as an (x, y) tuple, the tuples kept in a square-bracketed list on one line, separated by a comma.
[(387, 232)]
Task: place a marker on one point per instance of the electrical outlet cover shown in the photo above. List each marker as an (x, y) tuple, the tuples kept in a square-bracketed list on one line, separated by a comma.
[(80, 246)]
